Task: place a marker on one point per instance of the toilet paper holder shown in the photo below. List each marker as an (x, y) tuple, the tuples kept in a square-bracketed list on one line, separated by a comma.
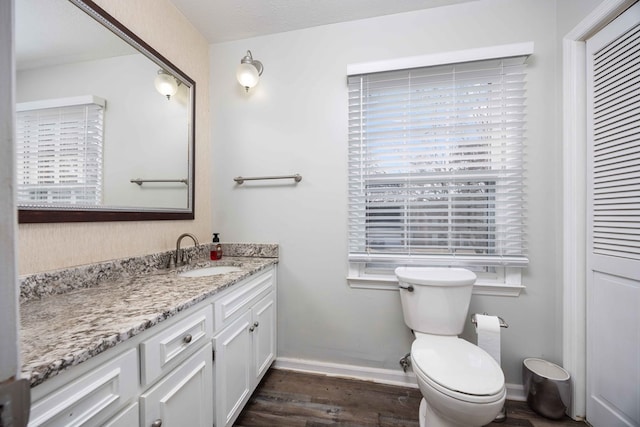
[(503, 324)]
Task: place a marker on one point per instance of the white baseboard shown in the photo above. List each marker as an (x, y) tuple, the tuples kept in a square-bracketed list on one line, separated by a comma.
[(376, 375), (515, 392)]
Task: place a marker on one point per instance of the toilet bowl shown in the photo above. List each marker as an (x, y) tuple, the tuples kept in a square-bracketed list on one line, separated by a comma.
[(461, 384)]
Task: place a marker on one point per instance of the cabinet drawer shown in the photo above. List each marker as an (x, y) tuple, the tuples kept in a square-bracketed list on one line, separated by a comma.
[(89, 399), (233, 304), (160, 353)]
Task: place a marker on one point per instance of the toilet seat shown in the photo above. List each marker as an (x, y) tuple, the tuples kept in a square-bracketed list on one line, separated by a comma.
[(457, 368)]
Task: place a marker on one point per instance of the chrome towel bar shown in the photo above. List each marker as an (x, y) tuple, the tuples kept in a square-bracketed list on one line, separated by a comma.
[(140, 181), (241, 179)]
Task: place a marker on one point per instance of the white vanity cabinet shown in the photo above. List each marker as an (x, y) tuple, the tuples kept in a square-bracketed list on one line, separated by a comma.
[(167, 376), (162, 376), (245, 346)]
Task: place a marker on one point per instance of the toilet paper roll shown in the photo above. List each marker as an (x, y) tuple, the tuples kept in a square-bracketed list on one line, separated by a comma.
[(488, 329)]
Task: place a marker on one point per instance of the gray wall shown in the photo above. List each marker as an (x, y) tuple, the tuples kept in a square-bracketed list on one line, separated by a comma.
[(295, 121)]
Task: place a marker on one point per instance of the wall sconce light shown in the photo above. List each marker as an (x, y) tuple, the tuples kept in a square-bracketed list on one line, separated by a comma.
[(166, 84), (249, 71)]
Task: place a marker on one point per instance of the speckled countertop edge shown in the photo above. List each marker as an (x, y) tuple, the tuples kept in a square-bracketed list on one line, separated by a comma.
[(42, 285), (63, 330)]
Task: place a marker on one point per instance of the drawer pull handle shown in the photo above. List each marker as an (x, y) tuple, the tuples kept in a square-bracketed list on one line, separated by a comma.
[(187, 339), (252, 328), (256, 324), (156, 423)]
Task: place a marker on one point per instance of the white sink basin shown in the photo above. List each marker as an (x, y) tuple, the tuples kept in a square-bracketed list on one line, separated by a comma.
[(210, 271)]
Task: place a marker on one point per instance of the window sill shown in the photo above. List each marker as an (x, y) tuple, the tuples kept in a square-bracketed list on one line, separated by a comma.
[(386, 283)]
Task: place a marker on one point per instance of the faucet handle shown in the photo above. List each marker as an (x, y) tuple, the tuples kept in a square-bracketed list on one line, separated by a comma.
[(172, 262)]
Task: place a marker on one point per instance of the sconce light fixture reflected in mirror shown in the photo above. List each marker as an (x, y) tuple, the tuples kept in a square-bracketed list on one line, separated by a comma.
[(166, 84), (249, 71)]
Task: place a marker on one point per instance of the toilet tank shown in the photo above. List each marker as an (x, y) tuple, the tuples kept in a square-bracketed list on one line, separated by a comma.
[(435, 300)]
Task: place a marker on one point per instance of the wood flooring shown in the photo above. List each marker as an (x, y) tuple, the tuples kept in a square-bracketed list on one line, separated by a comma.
[(293, 399)]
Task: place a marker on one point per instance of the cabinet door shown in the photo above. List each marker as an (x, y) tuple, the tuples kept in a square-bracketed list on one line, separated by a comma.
[(264, 335), (184, 396), (233, 371), (129, 417)]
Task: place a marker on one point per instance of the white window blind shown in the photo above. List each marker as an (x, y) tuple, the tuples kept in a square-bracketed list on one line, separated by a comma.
[(436, 165), (59, 151), (616, 147)]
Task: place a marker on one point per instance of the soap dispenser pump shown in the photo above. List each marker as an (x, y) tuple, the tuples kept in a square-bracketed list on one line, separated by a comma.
[(216, 251)]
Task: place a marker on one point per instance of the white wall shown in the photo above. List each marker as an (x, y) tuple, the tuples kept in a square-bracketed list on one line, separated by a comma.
[(295, 121)]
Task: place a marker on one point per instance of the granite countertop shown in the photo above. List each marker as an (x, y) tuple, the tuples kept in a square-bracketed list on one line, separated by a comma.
[(62, 330)]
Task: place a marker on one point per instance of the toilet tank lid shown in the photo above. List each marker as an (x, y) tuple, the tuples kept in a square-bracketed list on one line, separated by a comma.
[(432, 276)]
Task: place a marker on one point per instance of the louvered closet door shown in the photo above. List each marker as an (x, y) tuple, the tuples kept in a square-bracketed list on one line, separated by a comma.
[(613, 261)]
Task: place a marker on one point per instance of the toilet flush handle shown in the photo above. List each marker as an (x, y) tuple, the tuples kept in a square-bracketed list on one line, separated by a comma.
[(405, 287)]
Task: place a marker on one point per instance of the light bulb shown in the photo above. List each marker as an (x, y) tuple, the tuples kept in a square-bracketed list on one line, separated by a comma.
[(166, 84), (247, 75)]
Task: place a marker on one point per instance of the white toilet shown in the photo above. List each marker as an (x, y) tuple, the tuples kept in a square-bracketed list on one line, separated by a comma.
[(461, 384)]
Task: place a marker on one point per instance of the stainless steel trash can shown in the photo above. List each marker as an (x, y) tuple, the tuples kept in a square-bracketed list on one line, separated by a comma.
[(548, 387)]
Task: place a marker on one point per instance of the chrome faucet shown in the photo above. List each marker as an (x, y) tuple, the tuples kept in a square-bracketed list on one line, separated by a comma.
[(178, 258)]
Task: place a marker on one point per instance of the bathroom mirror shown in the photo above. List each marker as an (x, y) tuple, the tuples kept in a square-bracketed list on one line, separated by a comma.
[(104, 123)]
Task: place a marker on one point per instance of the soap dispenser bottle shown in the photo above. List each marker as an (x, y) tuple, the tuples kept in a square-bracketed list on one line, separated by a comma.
[(216, 251)]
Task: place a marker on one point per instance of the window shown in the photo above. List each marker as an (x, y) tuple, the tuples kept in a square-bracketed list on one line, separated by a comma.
[(59, 151), (436, 167)]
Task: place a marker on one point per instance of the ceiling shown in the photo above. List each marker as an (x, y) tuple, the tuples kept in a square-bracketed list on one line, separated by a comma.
[(226, 20), (55, 31)]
